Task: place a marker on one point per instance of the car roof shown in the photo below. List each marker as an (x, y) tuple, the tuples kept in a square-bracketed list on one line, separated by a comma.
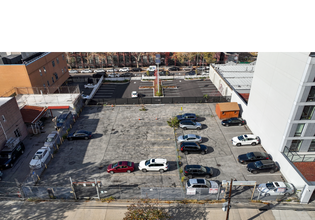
[(260, 154), (51, 135), (186, 120), (250, 135), (197, 181), (159, 160), (279, 184), (189, 143), (192, 166), (191, 135), (190, 114), (81, 131), (264, 162)]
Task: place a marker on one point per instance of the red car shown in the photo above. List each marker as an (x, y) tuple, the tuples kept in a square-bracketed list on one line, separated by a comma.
[(121, 167)]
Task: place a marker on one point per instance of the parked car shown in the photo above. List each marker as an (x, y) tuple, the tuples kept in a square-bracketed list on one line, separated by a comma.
[(136, 69), (112, 75), (157, 164), (80, 134), (12, 150), (73, 71), (39, 158), (262, 166), (189, 124), (89, 86), (121, 167), (197, 170), (99, 71), (134, 94), (191, 147), (233, 121), (188, 68), (127, 75), (201, 183), (185, 116), (112, 70), (98, 75), (62, 118), (252, 157), (174, 68), (276, 188), (85, 96), (124, 69), (86, 71), (164, 73), (189, 138), (190, 73), (52, 139), (202, 68), (246, 139)]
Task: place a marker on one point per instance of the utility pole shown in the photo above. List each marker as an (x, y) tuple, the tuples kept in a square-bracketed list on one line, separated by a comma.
[(228, 208)]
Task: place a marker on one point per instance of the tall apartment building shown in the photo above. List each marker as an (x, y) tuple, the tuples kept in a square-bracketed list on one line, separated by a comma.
[(44, 72), (281, 110)]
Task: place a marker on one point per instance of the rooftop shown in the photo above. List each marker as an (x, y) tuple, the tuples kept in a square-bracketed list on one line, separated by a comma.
[(239, 76), (307, 170)]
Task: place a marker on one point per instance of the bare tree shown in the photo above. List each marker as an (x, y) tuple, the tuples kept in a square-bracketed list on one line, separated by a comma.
[(70, 60)]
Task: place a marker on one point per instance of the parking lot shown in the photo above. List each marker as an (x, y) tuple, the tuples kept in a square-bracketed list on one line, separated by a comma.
[(125, 133)]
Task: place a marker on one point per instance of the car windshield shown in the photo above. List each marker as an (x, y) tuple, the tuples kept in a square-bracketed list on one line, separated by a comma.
[(203, 169), (258, 164), (185, 136), (37, 157), (5, 156), (197, 136), (288, 185), (129, 164), (49, 140), (194, 123), (270, 185), (114, 165), (250, 155), (208, 184), (60, 120), (147, 162), (240, 137)]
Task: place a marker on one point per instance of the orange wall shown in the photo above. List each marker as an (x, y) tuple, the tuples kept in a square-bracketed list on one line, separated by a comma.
[(29, 76)]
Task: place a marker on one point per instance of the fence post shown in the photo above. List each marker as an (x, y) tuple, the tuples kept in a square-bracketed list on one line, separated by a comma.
[(71, 184)]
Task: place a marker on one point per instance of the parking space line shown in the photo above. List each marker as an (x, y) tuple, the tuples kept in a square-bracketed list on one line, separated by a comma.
[(274, 174), (247, 146)]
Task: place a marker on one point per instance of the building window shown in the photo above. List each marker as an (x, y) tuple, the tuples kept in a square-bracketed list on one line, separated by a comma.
[(65, 69), (127, 58), (299, 130), (307, 112), (44, 85), (3, 118), (121, 58), (52, 79), (151, 59), (40, 71), (109, 59), (17, 133), (63, 56), (115, 58), (295, 146), (57, 60), (62, 71), (56, 75), (145, 59), (311, 95), (53, 63), (48, 83), (44, 69), (312, 146), (97, 60)]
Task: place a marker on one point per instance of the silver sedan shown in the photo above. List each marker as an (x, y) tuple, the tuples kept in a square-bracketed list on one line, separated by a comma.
[(189, 138)]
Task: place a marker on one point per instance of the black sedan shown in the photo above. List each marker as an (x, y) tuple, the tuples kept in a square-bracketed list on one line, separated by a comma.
[(233, 121), (80, 134), (190, 73), (252, 157), (127, 75), (174, 68), (136, 70)]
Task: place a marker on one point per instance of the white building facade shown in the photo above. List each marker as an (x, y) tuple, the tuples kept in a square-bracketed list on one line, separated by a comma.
[(281, 110)]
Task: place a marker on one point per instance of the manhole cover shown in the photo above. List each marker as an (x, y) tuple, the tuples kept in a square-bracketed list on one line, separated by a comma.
[(72, 162)]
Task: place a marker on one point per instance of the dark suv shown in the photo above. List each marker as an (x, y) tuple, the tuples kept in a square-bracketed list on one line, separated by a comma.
[(197, 170), (262, 166), (13, 149), (189, 116), (191, 147), (136, 70), (61, 119)]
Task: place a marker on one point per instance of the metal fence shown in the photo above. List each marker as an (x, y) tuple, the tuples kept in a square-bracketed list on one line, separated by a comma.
[(298, 157), (159, 100)]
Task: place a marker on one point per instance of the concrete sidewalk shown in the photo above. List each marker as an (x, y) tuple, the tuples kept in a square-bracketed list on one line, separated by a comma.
[(97, 210)]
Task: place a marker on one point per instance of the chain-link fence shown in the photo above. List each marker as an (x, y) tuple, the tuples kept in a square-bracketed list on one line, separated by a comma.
[(47, 192)]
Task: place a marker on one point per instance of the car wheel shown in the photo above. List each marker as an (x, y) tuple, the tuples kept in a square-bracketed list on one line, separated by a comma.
[(227, 125), (272, 171), (238, 144), (11, 165), (144, 170), (202, 152), (186, 152), (240, 124), (198, 128), (22, 152), (128, 171), (161, 171), (254, 143), (86, 138), (255, 172), (111, 172), (207, 176), (184, 128), (287, 194)]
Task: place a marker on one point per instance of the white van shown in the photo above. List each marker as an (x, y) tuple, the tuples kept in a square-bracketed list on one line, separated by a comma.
[(151, 68)]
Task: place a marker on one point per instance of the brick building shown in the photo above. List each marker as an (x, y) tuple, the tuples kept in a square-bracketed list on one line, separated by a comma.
[(45, 71), (11, 121)]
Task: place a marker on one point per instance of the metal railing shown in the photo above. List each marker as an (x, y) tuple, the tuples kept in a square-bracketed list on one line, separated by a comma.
[(298, 157)]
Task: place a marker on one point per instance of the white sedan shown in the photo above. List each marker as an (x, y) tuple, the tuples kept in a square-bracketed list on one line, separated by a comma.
[(276, 188), (39, 158), (189, 138), (73, 71), (246, 139), (134, 94), (124, 69), (89, 86), (86, 71), (99, 71), (112, 70)]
